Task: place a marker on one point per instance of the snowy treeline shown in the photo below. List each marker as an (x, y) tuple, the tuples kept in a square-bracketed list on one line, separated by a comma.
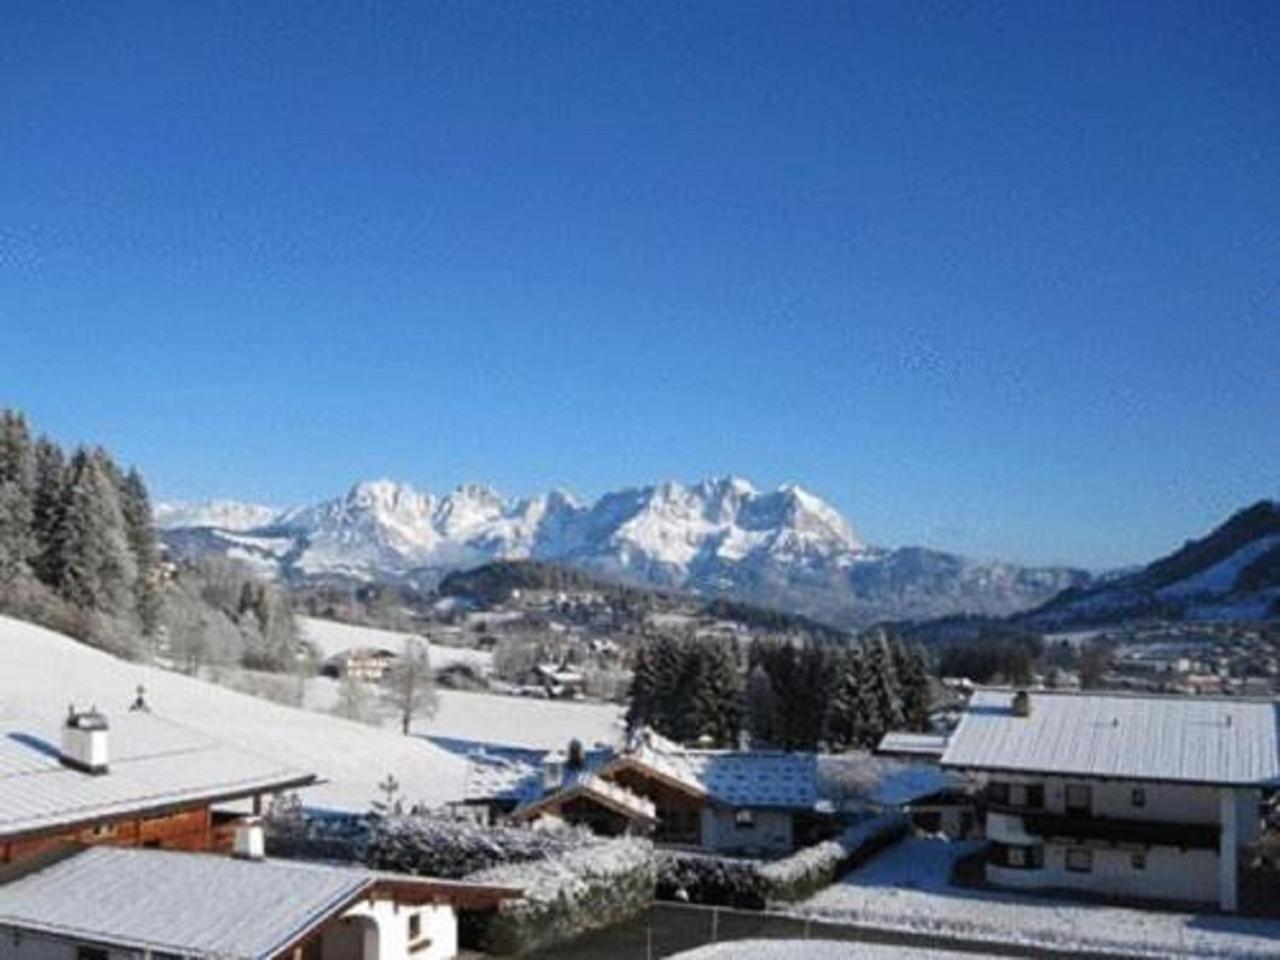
[(77, 552), (791, 696)]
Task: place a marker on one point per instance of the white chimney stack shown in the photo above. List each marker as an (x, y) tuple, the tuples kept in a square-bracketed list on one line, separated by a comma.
[(84, 741), (250, 839)]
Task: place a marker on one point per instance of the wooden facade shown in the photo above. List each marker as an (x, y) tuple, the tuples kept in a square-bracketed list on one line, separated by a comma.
[(189, 829)]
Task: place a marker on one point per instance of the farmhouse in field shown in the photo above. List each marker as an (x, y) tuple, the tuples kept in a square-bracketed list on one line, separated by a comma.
[(115, 841), (1147, 797)]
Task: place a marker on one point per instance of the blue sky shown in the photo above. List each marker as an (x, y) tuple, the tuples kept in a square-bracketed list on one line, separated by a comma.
[(997, 277)]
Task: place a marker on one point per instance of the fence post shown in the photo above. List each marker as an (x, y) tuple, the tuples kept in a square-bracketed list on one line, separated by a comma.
[(715, 924), (648, 934)]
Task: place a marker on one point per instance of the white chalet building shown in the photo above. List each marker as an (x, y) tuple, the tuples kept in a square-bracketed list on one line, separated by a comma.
[(1143, 797)]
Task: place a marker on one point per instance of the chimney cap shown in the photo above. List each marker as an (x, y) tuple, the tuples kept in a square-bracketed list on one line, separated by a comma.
[(90, 719)]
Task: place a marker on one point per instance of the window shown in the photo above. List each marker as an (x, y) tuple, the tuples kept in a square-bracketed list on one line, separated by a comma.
[(998, 793), (1017, 857), (744, 819), (1028, 795), (1079, 798), (101, 830), (91, 953), (1139, 860), (1138, 797), (1080, 860)]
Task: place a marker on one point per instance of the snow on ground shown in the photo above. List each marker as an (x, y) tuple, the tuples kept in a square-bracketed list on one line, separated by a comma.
[(906, 888), (813, 950), (330, 637), (493, 718), (42, 671)]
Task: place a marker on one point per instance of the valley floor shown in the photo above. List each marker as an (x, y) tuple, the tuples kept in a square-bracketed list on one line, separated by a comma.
[(906, 888)]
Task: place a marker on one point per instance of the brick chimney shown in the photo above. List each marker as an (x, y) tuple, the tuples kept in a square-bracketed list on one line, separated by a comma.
[(84, 741)]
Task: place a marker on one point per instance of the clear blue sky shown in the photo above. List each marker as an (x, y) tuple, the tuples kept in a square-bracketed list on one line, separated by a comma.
[(997, 277)]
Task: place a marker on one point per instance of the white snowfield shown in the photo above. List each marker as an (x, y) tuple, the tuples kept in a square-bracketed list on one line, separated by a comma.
[(814, 950), (330, 637), (493, 718), (42, 672), (906, 888)]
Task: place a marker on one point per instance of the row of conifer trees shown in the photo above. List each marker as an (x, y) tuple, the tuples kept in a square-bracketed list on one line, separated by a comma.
[(76, 530), (783, 694)]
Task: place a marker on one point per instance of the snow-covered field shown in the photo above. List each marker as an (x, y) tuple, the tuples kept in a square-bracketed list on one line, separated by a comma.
[(330, 637), (494, 718), (906, 888), (813, 950), (42, 671)]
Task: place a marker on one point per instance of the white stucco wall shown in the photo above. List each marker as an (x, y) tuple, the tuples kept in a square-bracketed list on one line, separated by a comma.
[(770, 833), (1170, 874), (438, 924)]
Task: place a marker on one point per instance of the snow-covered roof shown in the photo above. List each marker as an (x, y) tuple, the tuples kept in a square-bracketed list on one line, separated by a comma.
[(198, 905), (1227, 741), (597, 789), (153, 764), (738, 778), (915, 744)]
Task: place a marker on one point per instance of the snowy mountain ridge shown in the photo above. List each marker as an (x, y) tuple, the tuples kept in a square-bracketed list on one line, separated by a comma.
[(1232, 573), (786, 547)]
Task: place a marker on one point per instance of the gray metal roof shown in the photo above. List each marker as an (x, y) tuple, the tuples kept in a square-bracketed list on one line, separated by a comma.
[(154, 763), (191, 904), (1188, 739)]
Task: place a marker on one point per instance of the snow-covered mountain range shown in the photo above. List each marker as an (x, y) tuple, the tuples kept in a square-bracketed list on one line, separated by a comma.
[(785, 548), (1233, 573)]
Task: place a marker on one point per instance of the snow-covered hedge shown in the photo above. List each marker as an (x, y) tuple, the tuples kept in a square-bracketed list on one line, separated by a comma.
[(423, 844), (805, 872), (751, 884), (568, 895)]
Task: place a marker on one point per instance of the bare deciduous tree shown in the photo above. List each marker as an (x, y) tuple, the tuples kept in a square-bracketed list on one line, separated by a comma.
[(409, 685)]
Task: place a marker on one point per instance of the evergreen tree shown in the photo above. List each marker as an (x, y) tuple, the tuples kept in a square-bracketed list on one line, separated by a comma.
[(913, 681), (716, 697), (17, 492), (761, 707), (95, 566), (135, 507), (844, 720), (47, 508), (643, 696), (880, 705)]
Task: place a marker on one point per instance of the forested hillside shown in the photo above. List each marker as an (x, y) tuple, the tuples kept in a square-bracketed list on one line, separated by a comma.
[(78, 554)]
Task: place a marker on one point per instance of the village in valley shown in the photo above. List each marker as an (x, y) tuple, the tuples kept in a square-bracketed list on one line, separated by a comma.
[(532, 761), (639, 480)]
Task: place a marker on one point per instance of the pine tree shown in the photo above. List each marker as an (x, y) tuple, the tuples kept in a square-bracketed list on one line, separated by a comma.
[(913, 681), (716, 697), (881, 702), (17, 492), (844, 718), (135, 507), (761, 707), (643, 696), (95, 565), (47, 510)]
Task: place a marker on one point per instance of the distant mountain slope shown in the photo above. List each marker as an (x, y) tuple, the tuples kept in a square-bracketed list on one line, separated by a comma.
[(784, 548), (1233, 573)]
